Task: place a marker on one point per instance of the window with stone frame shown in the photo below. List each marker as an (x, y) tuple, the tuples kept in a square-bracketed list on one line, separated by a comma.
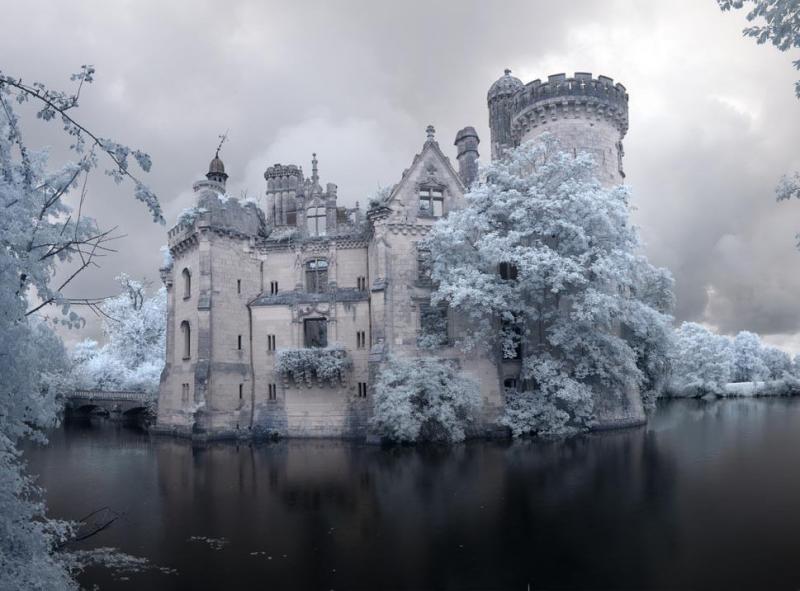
[(187, 283), (433, 323), (186, 331), (431, 202), (423, 265), (316, 221), (317, 276), (315, 332)]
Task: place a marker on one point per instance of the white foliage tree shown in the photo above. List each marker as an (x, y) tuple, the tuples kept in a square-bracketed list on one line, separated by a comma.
[(703, 361), (778, 362), (589, 311), (748, 363), (423, 400), (135, 328), (39, 232)]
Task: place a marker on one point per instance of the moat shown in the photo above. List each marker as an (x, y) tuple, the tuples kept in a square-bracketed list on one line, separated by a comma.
[(705, 497)]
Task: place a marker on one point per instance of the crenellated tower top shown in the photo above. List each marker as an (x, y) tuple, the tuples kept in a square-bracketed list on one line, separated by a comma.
[(581, 96), (586, 114)]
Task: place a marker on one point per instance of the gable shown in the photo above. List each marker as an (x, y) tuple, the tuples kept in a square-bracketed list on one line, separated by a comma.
[(431, 173)]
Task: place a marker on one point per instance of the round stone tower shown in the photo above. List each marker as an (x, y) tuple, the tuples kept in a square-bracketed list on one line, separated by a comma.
[(584, 113)]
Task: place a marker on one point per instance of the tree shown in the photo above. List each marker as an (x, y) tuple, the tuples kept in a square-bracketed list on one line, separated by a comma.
[(780, 25), (748, 364), (778, 363), (423, 400), (135, 327), (703, 361), (38, 232), (545, 258)]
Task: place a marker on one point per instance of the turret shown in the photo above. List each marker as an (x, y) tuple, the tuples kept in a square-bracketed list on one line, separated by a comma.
[(216, 170), (467, 145), (500, 99)]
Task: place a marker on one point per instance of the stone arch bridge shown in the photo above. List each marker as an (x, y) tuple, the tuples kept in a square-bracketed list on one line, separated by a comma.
[(118, 404)]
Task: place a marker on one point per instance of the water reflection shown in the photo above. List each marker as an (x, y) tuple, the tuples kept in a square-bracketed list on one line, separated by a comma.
[(663, 506)]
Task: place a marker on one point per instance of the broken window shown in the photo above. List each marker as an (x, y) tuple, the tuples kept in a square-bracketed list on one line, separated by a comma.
[(508, 271), (431, 202), (317, 276), (316, 220), (316, 332), (423, 265), (433, 326)]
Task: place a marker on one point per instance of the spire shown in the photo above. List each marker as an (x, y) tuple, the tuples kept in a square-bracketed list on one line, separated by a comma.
[(431, 132)]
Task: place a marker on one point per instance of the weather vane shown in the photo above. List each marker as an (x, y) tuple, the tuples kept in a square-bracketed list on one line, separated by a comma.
[(222, 139)]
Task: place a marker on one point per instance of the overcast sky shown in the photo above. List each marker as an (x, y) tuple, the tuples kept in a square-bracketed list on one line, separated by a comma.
[(713, 118)]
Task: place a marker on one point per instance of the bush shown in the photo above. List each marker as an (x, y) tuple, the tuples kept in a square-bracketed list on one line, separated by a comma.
[(423, 400)]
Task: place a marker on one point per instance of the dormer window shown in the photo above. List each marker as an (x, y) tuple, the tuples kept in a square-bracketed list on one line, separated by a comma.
[(317, 276), (431, 202), (316, 220)]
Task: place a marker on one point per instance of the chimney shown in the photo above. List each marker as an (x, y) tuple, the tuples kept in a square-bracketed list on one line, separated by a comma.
[(467, 145)]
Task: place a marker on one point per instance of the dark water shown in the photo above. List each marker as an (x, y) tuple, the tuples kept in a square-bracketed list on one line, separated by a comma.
[(706, 497)]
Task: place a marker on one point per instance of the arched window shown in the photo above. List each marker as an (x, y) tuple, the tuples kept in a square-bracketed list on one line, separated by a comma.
[(316, 220), (317, 276), (186, 330), (187, 283)]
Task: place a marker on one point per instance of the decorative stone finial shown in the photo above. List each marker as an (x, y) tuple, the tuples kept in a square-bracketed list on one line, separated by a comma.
[(314, 171), (507, 71), (431, 132)]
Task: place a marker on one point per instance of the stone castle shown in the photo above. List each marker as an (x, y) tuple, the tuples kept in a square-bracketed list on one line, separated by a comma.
[(279, 320)]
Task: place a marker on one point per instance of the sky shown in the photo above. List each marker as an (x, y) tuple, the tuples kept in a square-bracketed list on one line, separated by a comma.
[(713, 117)]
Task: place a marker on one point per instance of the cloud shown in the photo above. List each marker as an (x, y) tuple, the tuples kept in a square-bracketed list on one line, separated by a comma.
[(713, 117)]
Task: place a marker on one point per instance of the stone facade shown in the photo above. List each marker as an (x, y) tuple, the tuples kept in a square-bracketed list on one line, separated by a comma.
[(307, 277)]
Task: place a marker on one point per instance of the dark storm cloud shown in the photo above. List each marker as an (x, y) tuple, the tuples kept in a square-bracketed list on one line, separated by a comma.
[(713, 117)]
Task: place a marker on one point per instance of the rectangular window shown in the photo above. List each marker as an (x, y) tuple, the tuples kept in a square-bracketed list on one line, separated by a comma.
[(433, 325), (361, 284), (184, 392), (513, 332), (316, 332), (423, 265), (238, 286), (271, 343), (361, 339), (362, 389), (431, 203), (239, 342), (317, 276), (272, 391), (316, 219), (241, 391), (508, 271), (273, 287)]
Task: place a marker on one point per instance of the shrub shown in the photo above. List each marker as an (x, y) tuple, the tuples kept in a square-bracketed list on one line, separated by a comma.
[(423, 400)]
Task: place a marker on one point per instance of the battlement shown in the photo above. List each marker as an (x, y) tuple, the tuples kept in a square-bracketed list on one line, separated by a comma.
[(283, 170), (560, 95)]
